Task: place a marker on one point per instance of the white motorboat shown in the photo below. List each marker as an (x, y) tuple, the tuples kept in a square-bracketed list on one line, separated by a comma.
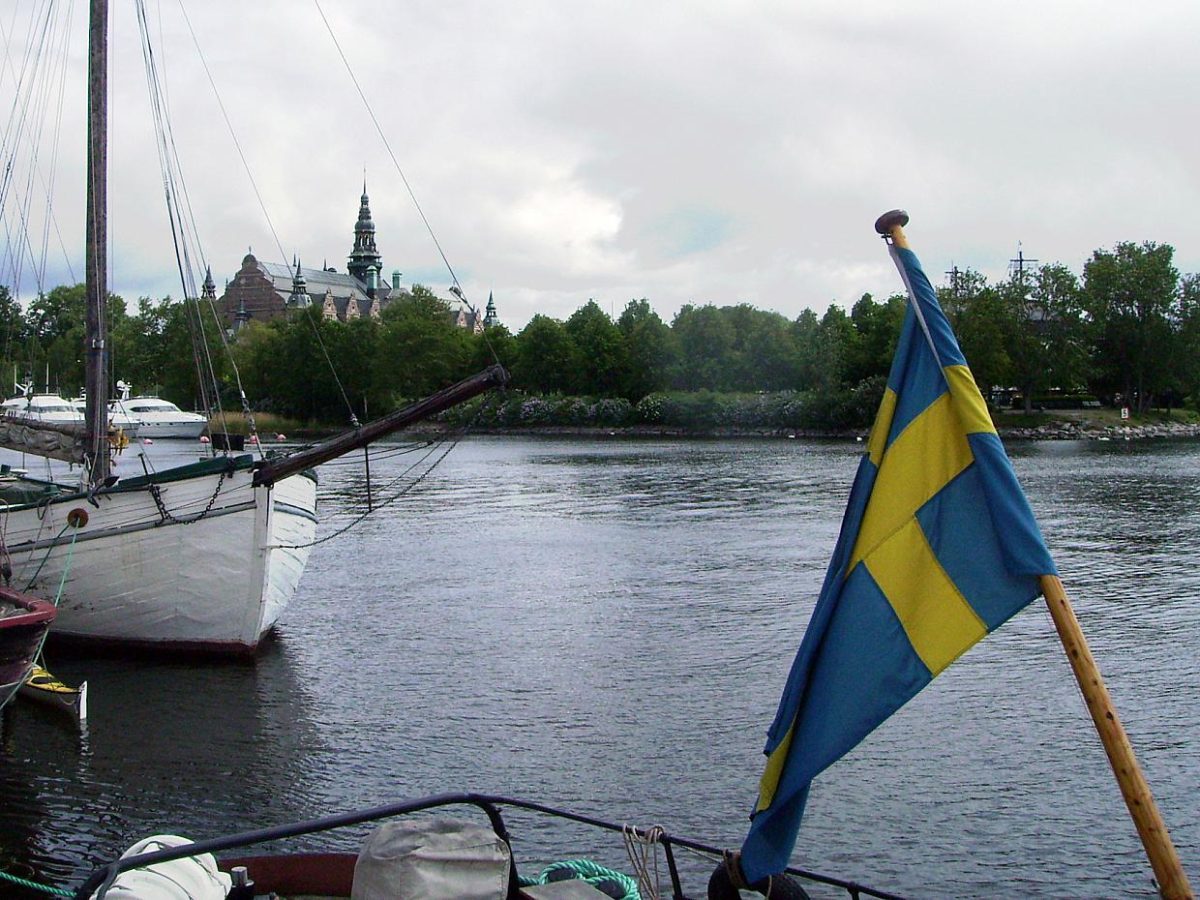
[(49, 408), (155, 417), (128, 425)]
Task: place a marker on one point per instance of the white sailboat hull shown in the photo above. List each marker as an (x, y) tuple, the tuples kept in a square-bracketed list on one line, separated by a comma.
[(209, 565)]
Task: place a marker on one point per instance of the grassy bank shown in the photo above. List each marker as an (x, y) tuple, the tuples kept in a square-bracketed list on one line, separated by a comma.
[(266, 423)]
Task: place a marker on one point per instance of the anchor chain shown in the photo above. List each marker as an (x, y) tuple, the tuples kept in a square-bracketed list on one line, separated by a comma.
[(168, 518)]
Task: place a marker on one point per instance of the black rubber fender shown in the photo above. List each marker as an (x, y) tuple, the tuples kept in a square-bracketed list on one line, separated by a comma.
[(777, 887)]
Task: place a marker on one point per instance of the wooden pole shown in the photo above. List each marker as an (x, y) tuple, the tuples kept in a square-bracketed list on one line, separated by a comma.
[(96, 233), (271, 470), (1172, 880)]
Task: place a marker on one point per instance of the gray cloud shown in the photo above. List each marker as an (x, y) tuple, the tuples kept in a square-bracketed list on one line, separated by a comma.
[(703, 152)]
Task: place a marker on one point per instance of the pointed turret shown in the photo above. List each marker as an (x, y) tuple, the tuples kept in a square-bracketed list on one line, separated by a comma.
[(365, 264), (489, 315), (299, 296), (209, 291)]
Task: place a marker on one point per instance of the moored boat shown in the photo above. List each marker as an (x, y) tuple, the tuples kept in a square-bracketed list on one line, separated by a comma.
[(24, 623), (43, 408), (439, 857), (117, 421), (155, 417), (43, 687)]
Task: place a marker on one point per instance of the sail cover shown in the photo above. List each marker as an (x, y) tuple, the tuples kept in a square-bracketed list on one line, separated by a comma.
[(65, 442)]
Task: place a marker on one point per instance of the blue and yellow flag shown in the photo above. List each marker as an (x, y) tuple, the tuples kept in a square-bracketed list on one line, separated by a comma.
[(938, 547)]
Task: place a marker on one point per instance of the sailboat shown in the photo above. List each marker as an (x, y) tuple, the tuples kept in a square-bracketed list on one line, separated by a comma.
[(200, 557)]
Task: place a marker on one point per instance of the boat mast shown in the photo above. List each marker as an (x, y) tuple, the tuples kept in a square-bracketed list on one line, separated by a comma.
[(96, 349)]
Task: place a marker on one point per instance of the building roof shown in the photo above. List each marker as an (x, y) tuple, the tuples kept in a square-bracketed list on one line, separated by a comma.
[(318, 281)]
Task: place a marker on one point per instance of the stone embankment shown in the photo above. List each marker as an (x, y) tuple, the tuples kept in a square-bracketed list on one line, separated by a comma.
[(1082, 431)]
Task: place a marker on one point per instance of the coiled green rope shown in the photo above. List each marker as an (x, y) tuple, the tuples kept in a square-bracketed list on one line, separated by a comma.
[(598, 876)]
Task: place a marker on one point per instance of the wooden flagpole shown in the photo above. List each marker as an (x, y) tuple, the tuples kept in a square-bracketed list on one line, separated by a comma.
[(1172, 880), (1168, 871)]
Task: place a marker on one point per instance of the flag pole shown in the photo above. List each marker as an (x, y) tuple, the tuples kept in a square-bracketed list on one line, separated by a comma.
[(1172, 880), (1168, 871)]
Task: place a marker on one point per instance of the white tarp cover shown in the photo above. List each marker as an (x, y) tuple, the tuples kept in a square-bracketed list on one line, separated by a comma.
[(434, 859), (190, 878)]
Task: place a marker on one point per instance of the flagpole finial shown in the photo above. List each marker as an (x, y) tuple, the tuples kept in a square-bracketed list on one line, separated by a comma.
[(891, 226)]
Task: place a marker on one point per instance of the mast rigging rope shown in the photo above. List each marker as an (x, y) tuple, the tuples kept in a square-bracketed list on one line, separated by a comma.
[(279, 245)]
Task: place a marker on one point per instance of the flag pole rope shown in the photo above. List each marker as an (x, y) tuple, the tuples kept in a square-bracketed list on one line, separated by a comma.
[(1156, 839)]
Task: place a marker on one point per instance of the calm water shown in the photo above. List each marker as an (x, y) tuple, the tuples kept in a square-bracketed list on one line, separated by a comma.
[(606, 626)]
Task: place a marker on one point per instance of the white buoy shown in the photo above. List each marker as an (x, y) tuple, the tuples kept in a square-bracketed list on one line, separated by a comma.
[(204, 438), (281, 437)]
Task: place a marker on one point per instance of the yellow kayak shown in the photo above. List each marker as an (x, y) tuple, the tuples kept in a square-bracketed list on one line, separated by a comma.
[(42, 687)]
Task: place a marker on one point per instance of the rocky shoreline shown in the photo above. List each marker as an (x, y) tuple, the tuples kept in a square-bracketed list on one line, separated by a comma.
[(1083, 431)]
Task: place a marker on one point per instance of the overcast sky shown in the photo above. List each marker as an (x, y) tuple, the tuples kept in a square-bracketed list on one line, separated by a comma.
[(685, 152)]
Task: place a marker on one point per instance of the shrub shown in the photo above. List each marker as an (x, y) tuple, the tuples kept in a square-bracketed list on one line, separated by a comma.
[(611, 411)]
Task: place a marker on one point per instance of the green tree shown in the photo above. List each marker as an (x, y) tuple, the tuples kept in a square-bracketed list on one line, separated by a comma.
[(812, 363), (706, 341), (492, 345), (835, 337), (601, 361), (1129, 294), (651, 349), (545, 358), (763, 355), (420, 350), (876, 332), (1186, 358), (1044, 339), (184, 376), (982, 324)]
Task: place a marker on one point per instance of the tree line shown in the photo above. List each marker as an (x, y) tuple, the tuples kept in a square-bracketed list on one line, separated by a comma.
[(1126, 331)]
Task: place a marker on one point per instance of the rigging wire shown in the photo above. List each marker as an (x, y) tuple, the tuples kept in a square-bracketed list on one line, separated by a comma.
[(8, 35), (383, 137), (175, 193), (446, 445), (32, 130), (270, 224), (25, 101), (56, 134), (201, 300), (456, 286)]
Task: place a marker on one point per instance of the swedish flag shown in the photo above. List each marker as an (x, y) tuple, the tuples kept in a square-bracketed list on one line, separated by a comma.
[(938, 548)]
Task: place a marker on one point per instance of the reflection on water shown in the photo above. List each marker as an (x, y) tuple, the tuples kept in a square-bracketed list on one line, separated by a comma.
[(167, 747), (607, 626)]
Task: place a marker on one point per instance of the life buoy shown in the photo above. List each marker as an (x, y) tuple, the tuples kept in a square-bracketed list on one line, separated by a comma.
[(721, 885)]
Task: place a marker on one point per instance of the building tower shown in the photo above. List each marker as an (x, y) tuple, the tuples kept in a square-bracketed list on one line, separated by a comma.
[(365, 264), (298, 299), (209, 291), (489, 317)]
